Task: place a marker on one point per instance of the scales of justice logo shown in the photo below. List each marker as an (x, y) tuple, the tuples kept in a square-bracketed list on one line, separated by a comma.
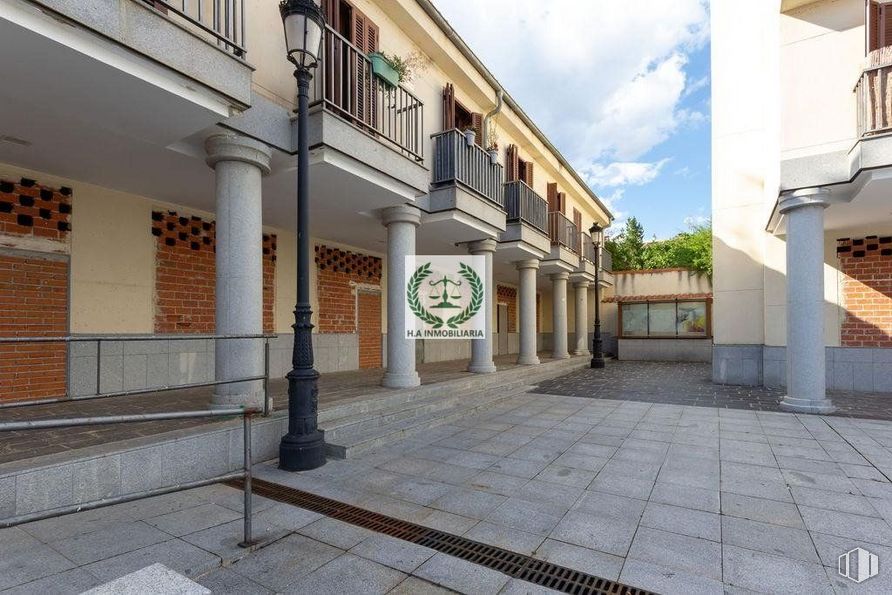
[(444, 297)]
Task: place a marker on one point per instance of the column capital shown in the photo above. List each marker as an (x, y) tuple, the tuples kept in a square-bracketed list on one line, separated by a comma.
[(235, 147), (582, 283), (482, 246), (806, 197), (401, 214), (562, 276), (532, 263)]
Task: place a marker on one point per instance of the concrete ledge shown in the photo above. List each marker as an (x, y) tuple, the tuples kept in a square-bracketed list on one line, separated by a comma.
[(665, 350), (737, 364)]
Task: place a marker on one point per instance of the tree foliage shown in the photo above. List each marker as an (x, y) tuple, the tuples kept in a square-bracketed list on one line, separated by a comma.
[(689, 249)]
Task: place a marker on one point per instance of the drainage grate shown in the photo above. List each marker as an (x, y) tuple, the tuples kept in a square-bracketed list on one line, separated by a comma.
[(546, 574)]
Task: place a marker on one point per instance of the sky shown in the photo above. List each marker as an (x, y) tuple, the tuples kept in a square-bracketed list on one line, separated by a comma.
[(622, 92)]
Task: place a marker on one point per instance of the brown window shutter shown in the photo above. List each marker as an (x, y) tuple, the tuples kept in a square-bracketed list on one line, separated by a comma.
[(330, 10), (448, 107), (577, 221), (512, 164), (885, 23), (552, 197), (477, 124), (528, 173), (562, 202)]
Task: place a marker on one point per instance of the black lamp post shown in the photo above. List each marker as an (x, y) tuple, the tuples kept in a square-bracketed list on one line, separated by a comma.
[(303, 447), (597, 356)]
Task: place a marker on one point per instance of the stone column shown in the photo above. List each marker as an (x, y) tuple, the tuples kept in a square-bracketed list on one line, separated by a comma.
[(239, 163), (526, 295), (401, 223), (581, 288), (559, 315), (806, 380), (481, 349)]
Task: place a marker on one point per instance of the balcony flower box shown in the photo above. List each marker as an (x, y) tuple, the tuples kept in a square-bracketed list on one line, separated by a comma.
[(384, 70)]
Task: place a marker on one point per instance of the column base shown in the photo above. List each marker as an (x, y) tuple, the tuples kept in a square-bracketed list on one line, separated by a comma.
[(394, 380), (487, 368), (560, 356), (797, 405), (253, 399), (581, 352), (528, 360), (304, 454)]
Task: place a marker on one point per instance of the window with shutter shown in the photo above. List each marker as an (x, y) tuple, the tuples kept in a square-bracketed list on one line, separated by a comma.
[(512, 164), (577, 221), (477, 125), (879, 26), (552, 197), (448, 107), (528, 173)]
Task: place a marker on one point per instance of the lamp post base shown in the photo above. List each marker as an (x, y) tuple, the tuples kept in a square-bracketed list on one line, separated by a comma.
[(598, 362), (303, 454)]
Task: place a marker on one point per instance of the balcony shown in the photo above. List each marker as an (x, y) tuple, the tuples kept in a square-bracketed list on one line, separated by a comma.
[(563, 232), (466, 197), (457, 162), (346, 87), (523, 204), (220, 21)]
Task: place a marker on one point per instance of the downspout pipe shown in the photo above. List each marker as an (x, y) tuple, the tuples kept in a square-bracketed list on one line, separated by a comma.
[(487, 119), (481, 68)]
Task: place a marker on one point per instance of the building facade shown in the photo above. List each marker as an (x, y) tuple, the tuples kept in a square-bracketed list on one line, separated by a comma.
[(802, 160), (147, 187)]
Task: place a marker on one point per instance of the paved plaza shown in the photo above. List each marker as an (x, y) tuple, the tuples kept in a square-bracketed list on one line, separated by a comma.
[(671, 498)]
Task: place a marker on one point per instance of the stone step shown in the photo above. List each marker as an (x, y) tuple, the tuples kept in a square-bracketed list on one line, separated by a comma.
[(533, 374), (353, 443)]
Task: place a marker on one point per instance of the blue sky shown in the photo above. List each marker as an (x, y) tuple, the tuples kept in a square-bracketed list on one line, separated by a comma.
[(623, 92)]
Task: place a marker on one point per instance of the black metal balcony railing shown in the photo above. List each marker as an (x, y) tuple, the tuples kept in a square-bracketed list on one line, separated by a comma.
[(222, 20), (457, 162), (606, 260), (523, 204), (588, 248), (562, 231), (346, 86)]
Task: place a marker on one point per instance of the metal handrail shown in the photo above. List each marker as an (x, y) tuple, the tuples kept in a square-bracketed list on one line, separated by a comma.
[(562, 231), (99, 339), (245, 474), (456, 161), (522, 203), (393, 114), (227, 24)]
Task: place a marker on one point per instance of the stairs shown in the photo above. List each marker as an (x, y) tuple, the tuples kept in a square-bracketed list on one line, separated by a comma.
[(353, 428)]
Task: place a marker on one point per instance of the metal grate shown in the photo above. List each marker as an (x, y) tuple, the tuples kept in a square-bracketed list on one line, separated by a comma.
[(546, 574)]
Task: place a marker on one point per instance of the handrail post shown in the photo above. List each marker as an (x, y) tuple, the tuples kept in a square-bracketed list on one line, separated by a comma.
[(248, 540), (267, 405)]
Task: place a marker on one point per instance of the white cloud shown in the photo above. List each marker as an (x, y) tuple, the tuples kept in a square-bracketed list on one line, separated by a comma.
[(622, 173), (694, 220), (615, 72)]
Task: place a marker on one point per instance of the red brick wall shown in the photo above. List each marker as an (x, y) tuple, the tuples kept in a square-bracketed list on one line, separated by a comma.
[(185, 274), (508, 295), (33, 289), (369, 329), (338, 273), (867, 291), (29, 209)]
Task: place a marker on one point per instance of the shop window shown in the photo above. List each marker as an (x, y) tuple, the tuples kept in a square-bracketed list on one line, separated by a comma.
[(685, 319)]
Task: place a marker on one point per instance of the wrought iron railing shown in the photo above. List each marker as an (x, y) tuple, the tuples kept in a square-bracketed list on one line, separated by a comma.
[(457, 161), (873, 93), (606, 260), (345, 85), (223, 20), (562, 231), (588, 248), (523, 204)]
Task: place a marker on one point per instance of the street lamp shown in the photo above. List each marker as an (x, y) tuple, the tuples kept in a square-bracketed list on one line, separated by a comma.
[(303, 447), (597, 233)]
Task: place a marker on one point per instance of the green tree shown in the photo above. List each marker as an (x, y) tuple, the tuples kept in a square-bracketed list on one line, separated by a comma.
[(689, 249), (627, 247)]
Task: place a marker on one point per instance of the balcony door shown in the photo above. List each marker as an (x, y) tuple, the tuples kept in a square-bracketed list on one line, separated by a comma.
[(349, 83), (457, 116)]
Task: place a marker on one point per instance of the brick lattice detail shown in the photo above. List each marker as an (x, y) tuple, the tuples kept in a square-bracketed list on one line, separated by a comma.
[(867, 291), (508, 295), (33, 302), (30, 209), (185, 274)]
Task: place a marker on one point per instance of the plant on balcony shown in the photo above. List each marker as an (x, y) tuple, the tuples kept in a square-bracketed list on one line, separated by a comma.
[(493, 151), (394, 69), (470, 135), (384, 69), (492, 144)]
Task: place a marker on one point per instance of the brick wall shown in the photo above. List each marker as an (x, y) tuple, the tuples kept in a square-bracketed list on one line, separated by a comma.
[(867, 291), (339, 272), (33, 287), (508, 295), (185, 274)]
